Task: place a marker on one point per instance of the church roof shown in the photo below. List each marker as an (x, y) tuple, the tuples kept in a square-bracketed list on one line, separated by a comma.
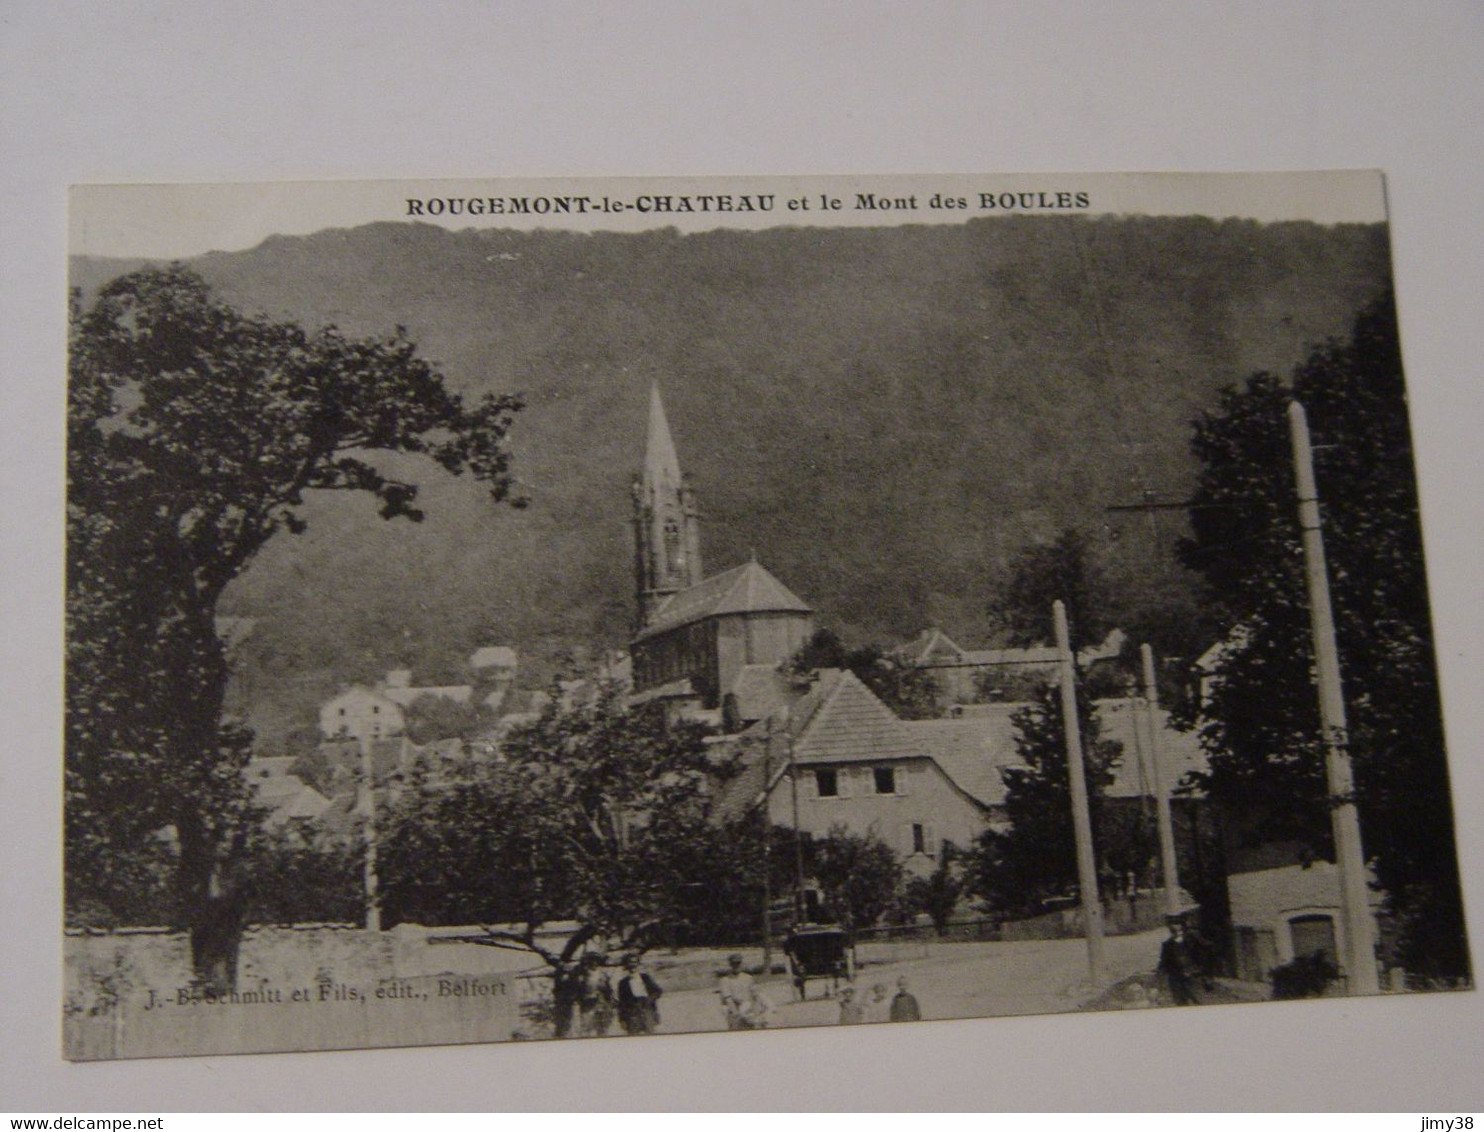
[(748, 588)]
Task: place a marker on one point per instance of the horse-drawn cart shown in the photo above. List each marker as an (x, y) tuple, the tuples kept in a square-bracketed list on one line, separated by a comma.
[(817, 951)]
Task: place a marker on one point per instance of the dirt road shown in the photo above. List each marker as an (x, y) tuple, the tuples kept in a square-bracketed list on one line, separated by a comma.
[(950, 980)]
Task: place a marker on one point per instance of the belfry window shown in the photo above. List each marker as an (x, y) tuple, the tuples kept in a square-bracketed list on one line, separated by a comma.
[(673, 556)]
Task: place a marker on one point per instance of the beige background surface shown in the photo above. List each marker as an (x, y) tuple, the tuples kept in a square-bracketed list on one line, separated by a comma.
[(251, 91)]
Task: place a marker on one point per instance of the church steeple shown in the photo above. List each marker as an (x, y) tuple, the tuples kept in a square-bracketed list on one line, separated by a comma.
[(667, 537)]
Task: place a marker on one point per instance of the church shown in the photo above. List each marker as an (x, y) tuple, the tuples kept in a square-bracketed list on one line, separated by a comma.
[(711, 645)]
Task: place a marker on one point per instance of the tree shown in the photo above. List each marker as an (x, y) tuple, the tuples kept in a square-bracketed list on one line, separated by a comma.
[(858, 877), (195, 434), (937, 894), (910, 692), (1064, 570), (1260, 723), (1035, 857), (432, 717), (591, 814), (297, 875)]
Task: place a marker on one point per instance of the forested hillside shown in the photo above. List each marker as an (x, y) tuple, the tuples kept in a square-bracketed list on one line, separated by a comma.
[(886, 416)]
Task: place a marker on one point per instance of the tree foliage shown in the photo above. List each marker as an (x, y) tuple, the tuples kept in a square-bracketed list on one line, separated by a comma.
[(195, 434), (910, 692), (937, 894), (1065, 570), (859, 877), (592, 814), (431, 718), (297, 874), (1035, 856), (1260, 721)]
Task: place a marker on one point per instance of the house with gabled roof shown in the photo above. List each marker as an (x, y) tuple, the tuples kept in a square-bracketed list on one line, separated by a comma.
[(954, 667), (838, 758), (285, 796)]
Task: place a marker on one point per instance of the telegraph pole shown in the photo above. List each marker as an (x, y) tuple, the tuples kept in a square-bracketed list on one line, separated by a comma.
[(767, 850), (367, 805), (1349, 856), (793, 787), (1169, 868), (1087, 873)]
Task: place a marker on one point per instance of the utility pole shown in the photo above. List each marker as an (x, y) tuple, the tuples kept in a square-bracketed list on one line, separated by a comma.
[(366, 803), (793, 785), (1360, 929), (1087, 873), (767, 849), (1169, 868)]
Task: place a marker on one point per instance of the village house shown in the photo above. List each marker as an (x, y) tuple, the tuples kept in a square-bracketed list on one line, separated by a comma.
[(287, 797), (837, 758), (956, 669), (367, 714)]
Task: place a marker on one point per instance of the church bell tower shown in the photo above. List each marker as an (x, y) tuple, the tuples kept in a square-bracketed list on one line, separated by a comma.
[(667, 535)]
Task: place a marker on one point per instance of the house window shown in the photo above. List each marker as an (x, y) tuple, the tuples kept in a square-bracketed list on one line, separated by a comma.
[(885, 779), (828, 782), (921, 838), (375, 709)]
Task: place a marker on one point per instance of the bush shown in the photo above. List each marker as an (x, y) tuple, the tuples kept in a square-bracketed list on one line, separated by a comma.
[(1308, 976)]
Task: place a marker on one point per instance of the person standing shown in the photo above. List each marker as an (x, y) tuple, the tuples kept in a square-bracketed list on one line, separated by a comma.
[(598, 1005), (757, 1011), (878, 1005), (851, 1012), (735, 988), (904, 1006), (638, 999), (1178, 969)]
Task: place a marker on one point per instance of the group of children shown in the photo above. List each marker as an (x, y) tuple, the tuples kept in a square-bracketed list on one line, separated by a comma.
[(902, 1007), (747, 1008)]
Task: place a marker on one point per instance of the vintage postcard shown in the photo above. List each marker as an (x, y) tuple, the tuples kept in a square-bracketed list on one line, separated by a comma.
[(508, 610)]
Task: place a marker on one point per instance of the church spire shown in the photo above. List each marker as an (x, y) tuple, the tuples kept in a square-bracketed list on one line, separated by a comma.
[(661, 465), (667, 539)]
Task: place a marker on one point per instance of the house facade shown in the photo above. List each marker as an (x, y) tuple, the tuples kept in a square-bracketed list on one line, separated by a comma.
[(1285, 906), (362, 714)]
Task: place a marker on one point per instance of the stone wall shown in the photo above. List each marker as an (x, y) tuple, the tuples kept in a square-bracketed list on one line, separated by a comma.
[(129, 993)]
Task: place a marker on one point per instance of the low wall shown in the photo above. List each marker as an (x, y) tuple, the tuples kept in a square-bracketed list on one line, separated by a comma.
[(129, 993), (1121, 916)]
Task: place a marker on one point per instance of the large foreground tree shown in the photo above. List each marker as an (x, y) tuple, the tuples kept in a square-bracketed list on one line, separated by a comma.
[(1260, 719), (592, 814), (195, 434)]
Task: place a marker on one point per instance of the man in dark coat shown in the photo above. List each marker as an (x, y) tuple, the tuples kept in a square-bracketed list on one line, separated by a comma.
[(638, 999), (1178, 969)]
